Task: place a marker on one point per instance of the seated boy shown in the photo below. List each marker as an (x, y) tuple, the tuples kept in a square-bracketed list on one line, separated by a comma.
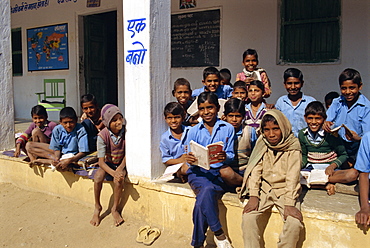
[(272, 179), (211, 81), (172, 144), (294, 104), (243, 141), (240, 91), (363, 166), (352, 109), (68, 143), (91, 119), (39, 131), (112, 160), (320, 147), (182, 92)]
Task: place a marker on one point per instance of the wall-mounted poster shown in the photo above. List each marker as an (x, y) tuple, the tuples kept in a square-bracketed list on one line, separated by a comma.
[(47, 48)]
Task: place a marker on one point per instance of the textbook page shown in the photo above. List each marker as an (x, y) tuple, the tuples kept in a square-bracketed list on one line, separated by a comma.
[(206, 155)]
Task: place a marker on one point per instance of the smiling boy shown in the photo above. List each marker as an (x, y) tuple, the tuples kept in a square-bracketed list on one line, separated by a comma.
[(211, 81), (352, 109), (294, 104), (172, 143), (320, 147)]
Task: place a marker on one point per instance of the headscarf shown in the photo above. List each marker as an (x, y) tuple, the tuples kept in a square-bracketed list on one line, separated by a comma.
[(288, 143)]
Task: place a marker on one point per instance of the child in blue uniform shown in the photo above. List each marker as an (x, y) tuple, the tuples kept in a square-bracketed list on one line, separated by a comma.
[(208, 185)]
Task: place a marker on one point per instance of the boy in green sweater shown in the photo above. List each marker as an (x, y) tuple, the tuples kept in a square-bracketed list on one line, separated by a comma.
[(319, 147)]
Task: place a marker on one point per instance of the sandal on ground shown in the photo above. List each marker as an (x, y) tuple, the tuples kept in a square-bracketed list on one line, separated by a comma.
[(142, 233), (153, 234)]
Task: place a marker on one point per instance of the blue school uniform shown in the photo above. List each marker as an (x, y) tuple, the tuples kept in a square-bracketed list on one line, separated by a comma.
[(92, 133), (172, 148), (73, 142), (208, 186), (223, 91), (295, 114), (355, 118), (363, 155)]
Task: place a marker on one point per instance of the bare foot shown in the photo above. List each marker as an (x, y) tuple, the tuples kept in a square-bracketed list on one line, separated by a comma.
[(330, 188), (118, 220), (95, 221)]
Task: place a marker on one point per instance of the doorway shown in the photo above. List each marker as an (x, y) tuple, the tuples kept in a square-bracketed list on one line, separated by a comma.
[(100, 56)]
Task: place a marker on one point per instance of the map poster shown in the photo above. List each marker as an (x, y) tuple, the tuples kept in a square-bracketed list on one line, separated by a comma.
[(47, 48)]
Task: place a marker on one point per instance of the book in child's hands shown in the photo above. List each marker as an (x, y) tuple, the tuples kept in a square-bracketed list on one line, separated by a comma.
[(206, 155), (317, 177), (347, 130)]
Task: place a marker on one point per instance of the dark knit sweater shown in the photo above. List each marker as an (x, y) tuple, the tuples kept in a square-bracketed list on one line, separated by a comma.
[(329, 144)]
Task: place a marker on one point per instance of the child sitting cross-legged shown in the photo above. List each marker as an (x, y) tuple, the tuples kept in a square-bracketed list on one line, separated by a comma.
[(38, 133), (244, 139), (272, 179), (112, 160), (68, 143), (172, 143), (320, 147)]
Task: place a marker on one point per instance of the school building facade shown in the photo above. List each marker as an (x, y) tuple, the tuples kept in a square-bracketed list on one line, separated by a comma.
[(122, 52)]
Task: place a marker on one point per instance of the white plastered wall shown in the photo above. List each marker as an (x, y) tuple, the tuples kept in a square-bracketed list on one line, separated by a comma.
[(254, 24)]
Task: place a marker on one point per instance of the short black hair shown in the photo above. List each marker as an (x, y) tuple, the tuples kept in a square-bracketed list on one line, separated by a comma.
[(210, 71), (315, 108), (88, 98), (39, 110), (267, 118), (250, 52), (208, 96), (331, 95), (293, 72), (68, 112), (240, 84), (259, 85), (225, 74), (350, 74), (234, 105), (174, 108), (181, 81)]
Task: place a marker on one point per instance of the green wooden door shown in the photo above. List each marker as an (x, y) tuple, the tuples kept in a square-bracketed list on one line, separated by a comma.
[(100, 56)]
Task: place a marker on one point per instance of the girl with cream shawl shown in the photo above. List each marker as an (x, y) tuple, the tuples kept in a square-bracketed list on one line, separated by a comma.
[(272, 179)]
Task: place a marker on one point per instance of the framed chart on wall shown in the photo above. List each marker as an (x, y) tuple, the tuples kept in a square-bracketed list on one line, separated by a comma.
[(47, 48)]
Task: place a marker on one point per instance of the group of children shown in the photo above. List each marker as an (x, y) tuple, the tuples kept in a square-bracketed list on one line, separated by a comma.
[(65, 144), (265, 146)]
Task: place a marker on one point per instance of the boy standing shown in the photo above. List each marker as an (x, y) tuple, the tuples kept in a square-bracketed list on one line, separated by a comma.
[(112, 160), (211, 81), (172, 144), (352, 109), (272, 179), (363, 166), (320, 147), (294, 104)]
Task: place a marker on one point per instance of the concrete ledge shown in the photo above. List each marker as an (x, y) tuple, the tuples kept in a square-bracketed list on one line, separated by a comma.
[(329, 221)]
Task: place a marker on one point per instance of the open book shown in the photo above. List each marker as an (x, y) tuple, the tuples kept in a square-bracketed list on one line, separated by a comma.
[(347, 130), (206, 155), (316, 176)]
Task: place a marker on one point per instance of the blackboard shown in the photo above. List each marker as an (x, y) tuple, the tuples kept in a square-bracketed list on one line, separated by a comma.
[(195, 39)]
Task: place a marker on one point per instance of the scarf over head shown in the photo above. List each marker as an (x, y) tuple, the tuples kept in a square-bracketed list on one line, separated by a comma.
[(288, 143)]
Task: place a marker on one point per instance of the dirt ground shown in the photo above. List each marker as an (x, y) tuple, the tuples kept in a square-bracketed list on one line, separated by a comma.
[(33, 219)]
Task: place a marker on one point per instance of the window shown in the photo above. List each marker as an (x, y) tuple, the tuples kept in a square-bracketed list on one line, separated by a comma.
[(17, 52), (310, 31)]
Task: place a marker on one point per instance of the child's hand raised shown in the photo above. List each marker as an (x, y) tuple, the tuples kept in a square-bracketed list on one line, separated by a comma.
[(251, 205), (292, 211)]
